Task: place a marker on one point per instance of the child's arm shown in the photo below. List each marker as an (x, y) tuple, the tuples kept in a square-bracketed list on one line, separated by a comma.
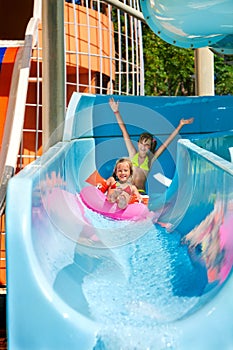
[(110, 181), (162, 148), (115, 108), (103, 187)]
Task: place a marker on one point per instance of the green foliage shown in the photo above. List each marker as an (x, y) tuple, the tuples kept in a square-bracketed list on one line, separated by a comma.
[(223, 77), (169, 70)]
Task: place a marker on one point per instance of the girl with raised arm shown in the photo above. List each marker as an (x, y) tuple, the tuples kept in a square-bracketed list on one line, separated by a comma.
[(143, 158)]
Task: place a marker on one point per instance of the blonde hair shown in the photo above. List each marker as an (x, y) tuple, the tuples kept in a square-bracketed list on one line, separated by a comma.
[(123, 160)]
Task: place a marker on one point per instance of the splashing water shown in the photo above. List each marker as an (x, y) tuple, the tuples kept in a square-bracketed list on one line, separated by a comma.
[(131, 294)]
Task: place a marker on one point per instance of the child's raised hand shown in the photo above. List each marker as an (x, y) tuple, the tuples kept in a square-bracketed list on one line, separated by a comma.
[(114, 105), (186, 121)]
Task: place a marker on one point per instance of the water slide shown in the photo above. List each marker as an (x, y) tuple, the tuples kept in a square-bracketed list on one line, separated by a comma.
[(191, 24), (15, 59), (78, 280)]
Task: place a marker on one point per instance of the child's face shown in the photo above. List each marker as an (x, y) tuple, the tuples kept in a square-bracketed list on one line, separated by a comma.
[(144, 146), (123, 171)]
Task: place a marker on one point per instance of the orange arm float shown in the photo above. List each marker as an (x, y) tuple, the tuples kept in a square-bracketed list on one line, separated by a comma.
[(97, 180)]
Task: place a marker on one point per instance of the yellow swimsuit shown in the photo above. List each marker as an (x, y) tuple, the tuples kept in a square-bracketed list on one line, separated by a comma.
[(144, 165)]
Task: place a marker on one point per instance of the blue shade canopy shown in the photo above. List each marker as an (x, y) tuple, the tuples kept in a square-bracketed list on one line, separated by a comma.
[(192, 24)]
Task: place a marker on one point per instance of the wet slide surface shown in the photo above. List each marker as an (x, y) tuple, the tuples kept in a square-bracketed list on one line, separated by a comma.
[(159, 283)]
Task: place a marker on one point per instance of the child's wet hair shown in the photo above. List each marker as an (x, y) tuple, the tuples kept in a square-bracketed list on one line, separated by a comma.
[(122, 160), (147, 136)]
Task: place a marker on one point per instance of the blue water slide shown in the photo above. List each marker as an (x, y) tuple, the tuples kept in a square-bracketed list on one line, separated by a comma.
[(191, 24), (77, 280)]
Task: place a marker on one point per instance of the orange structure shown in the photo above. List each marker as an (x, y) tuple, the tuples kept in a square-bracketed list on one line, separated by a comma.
[(85, 58), (95, 47), (5, 83)]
